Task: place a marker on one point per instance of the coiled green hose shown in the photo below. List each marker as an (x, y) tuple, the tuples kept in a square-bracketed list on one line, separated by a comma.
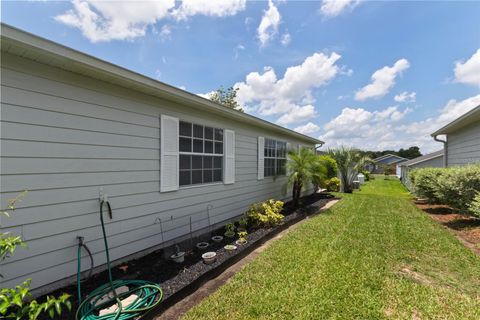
[(148, 293)]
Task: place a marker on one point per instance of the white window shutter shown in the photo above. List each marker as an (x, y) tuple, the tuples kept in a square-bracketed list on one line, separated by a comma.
[(261, 147), (229, 157), (169, 158)]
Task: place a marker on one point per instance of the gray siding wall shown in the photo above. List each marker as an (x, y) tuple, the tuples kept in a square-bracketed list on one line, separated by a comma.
[(63, 136), (464, 146)]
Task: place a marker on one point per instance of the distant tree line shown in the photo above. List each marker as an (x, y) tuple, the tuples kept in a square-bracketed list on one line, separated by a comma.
[(410, 153)]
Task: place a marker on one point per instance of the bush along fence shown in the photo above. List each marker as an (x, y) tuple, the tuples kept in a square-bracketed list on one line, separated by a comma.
[(458, 187)]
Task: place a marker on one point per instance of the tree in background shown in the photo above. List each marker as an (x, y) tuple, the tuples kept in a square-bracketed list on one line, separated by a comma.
[(227, 97), (410, 153), (350, 162)]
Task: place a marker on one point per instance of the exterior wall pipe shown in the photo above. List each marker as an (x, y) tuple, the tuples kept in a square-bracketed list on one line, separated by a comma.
[(445, 150)]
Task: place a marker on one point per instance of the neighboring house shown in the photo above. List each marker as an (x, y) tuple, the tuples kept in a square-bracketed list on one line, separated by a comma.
[(380, 163), (462, 143), (431, 160), (75, 127)]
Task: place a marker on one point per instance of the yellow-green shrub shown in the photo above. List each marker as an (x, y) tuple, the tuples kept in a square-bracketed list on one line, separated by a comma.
[(265, 214), (333, 184)]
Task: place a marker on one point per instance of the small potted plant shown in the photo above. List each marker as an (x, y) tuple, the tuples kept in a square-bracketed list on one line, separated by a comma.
[(217, 239), (229, 230), (202, 246), (178, 256), (230, 247), (209, 257), (242, 238), (242, 224)]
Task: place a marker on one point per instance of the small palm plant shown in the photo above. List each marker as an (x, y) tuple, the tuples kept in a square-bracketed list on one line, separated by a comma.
[(303, 167), (350, 162)]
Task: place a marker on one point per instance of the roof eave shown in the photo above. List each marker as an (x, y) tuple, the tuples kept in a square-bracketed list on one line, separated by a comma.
[(57, 51), (458, 123)]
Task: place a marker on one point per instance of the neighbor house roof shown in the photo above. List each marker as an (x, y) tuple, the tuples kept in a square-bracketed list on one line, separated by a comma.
[(389, 155), (27, 45), (423, 158), (466, 119)]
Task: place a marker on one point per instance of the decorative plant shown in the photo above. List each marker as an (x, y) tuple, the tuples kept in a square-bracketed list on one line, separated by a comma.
[(350, 162), (303, 167), (229, 230), (242, 223), (265, 214), (16, 303), (333, 184), (242, 236), (330, 166)]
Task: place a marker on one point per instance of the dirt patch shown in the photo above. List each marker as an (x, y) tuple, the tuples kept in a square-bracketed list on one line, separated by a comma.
[(413, 275), (466, 228)]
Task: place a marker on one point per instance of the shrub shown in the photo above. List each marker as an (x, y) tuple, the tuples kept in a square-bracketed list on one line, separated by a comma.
[(455, 186), (333, 184), (425, 182), (265, 214), (330, 165), (458, 186), (474, 207)]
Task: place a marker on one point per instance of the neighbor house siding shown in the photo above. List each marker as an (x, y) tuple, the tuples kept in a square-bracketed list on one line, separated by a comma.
[(64, 136), (464, 145), (431, 163)]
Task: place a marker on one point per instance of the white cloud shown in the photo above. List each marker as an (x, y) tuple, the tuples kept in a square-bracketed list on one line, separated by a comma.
[(333, 8), (189, 8), (468, 72), (308, 128), (127, 20), (297, 114), (286, 39), (388, 129), (382, 81), (268, 95), (268, 27), (406, 97)]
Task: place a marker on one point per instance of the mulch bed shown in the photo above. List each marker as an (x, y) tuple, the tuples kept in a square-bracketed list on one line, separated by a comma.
[(465, 227), (174, 277)]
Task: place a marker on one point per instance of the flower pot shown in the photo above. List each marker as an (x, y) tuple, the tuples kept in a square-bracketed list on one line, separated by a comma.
[(421, 201), (240, 242), (217, 239), (178, 257), (241, 229), (202, 246), (229, 234), (209, 257), (230, 247)]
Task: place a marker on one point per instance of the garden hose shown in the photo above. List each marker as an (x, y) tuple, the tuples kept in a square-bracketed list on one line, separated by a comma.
[(148, 293)]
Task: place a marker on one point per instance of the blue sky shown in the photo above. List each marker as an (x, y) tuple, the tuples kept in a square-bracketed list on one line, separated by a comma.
[(372, 74)]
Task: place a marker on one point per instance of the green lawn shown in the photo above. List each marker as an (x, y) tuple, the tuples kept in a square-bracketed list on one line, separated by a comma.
[(373, 255)]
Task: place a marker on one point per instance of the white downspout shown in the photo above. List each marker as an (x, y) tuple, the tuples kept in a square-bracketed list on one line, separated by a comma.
[(445, 150)]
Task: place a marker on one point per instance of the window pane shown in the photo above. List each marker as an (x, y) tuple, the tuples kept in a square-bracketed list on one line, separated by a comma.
[(198, 145), (217, 162), (196, 176), (196, 162), (185, 178), (218, 147), (186, 144), (219, 134), (185, 129), (281, 167), (208, 146), (207, 176), (217, 175), (207, 162), (209, 133), (197, 131), (185, 162)]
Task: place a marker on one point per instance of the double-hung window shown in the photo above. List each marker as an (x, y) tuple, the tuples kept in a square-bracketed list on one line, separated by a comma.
[(275, 157), (201, 154)]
